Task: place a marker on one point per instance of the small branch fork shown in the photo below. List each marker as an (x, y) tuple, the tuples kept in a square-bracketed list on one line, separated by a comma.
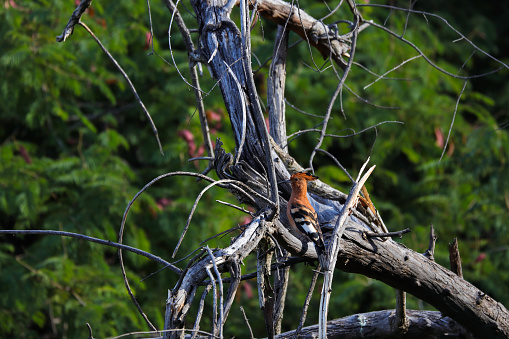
[(181, 297)]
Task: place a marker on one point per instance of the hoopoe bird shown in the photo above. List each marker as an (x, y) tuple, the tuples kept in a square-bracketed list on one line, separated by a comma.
[(301, 214)]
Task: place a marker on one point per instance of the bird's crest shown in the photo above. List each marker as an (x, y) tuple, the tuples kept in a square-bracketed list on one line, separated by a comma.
[(304, 176)]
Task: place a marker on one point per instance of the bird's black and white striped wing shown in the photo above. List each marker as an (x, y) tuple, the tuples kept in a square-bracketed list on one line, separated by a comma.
[(306, 222)]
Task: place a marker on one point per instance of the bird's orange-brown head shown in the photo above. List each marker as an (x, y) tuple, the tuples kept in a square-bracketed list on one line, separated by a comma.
[(299, 183), (302, 176)]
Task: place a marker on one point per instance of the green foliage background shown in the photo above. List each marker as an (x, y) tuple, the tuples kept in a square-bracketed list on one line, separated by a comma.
[(75, 148)]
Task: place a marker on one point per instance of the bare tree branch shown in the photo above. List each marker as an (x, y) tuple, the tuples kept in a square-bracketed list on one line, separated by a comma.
[(463, 37), (306, 303), (98, 241), (329, 263), (321, 36), (183, 294), (378, 325)]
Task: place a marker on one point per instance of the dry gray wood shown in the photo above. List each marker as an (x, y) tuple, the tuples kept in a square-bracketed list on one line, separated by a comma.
[(180, 299), (422, 325), (276, 89)]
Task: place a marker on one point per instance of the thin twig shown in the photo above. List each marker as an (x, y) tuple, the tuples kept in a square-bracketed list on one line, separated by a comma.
[(366, 101), (333, 248), (126, 77), (408, 17), (301, 111), (98, 241), (235, 273), (450, 26), (305, 33), (201, 112), (452, 122), (336, 161), (333, 100), (186, 227), (247, 322), (331, 12), (151, 27), (388, 234), (91, 336), (200, 310), (392, 69), (214, 302), (220, 321), (306, 303), (242, 209), (297, 134), (428, 60), (174, 12), (384, 78)]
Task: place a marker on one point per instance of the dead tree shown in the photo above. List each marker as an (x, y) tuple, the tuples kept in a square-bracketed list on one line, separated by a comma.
[(357, 240)]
